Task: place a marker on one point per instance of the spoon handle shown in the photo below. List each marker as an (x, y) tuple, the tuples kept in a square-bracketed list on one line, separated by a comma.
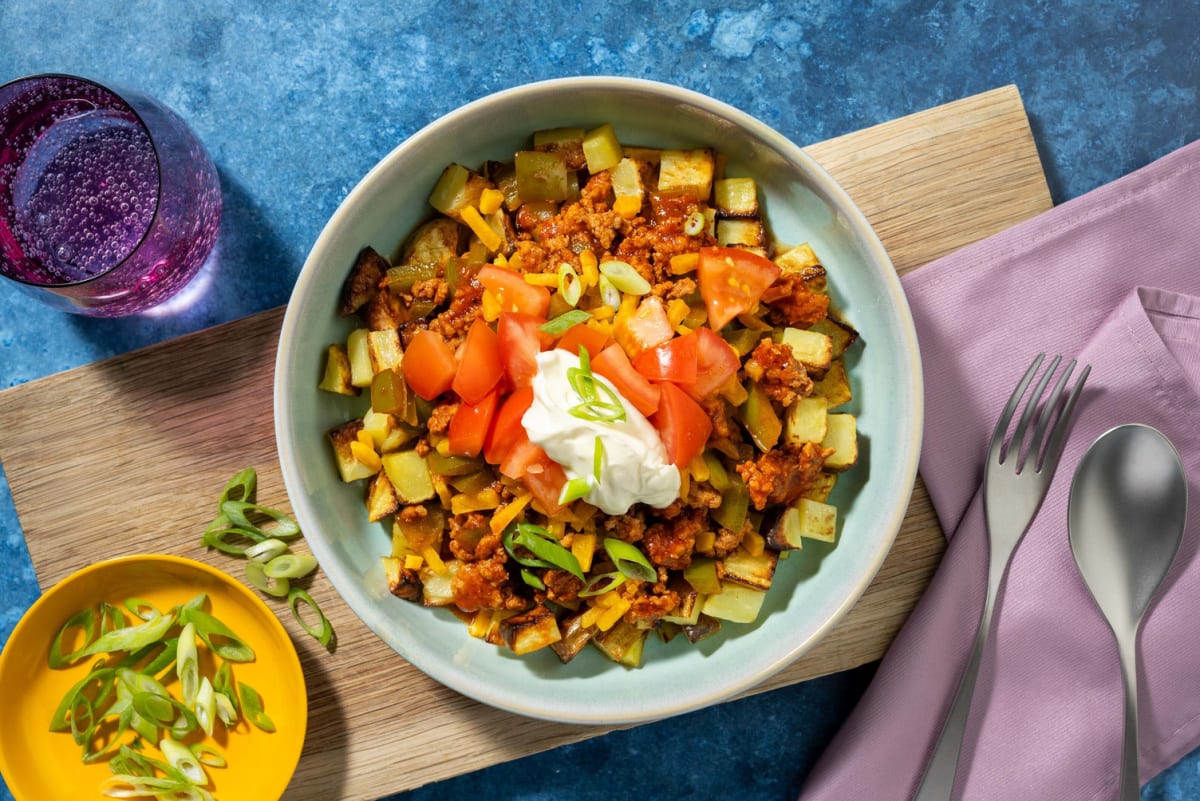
[(1129, 784)]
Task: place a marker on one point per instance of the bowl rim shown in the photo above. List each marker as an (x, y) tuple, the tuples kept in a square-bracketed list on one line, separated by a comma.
[(852, 217)]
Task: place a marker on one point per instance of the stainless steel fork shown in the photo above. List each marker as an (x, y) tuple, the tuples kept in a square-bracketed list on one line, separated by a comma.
[(1016, 476)]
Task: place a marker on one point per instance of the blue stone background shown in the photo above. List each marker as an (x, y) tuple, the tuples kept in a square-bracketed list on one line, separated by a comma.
[(296, 100)]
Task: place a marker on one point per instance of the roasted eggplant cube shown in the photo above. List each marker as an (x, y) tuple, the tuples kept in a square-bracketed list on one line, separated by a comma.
[(530, 630), (622, 643), (363, 282), (575, 635), (402, 582)]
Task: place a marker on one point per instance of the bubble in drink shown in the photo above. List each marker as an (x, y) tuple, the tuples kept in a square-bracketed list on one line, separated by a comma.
[(70, 202)]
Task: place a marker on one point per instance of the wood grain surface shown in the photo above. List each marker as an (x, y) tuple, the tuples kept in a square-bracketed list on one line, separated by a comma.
[(128, 455)]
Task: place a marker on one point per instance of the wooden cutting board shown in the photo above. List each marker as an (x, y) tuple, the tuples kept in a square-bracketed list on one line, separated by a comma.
[(129, 454)]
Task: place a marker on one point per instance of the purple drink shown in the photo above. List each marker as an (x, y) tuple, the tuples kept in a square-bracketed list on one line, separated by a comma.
[(108, 204)]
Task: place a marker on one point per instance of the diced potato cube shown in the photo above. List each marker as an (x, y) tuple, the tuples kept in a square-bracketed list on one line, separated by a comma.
[(337, 372), (812, 349), (358, 350), (735, 603), (622, 643), (736, 197), (434, 242), (842, 437), (740, 233), (686, 172), (567, 141), (409, 474), (785, 534), (840, 332), (751, 571), (627, 180), (377, 425), (456, 189), (436, 587), (834, 386), (797, 259), (350, 468), (402, 582), (806, 420), (362, 285), (822, 485), (383, 348), (602, 149), (381, 498), (818, 521), (646, 155), (530, 630)]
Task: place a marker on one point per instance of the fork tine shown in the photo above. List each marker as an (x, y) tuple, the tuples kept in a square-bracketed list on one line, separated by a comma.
[(1058, 435), (1016, 446), (1037, 445), (1006, 415)]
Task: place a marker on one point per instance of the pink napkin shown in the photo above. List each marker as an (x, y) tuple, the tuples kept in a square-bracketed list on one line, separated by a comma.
[(1112, 278)]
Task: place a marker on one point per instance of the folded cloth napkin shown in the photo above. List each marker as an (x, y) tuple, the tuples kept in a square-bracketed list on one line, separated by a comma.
[(1112, 278)]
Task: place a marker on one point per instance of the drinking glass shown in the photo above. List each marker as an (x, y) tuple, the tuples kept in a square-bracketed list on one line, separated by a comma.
[(109, 204)]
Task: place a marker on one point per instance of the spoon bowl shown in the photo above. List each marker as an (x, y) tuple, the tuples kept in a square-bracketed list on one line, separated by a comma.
[(1127, 510)]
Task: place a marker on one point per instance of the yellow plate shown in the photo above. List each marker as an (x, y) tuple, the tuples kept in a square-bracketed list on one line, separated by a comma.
[(39, 764)]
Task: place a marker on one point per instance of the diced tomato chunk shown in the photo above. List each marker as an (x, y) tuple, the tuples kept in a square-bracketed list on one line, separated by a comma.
[(732, 281), (506, 431), (682, 424), (716, 363), (645, 328), (480, 369), (471, 423), (545, 478), (520, 343), (429, 365), (613, 364), (513, 292), (674, 360), (591, 338)]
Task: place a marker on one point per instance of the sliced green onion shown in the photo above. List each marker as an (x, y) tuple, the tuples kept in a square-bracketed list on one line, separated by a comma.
[(322, 631), (206, 706), (624, 277), (239, 513), (141, 609), (694, 223), (266, 550), (546, 551), (219, 637), (253, 707), (597, 458), (609, 295), (240, 488), (131, 638), (180, 757), (153, 658), (574, 489), (256, 574), (290, 566), (153, 707), (83, 719), (569, 284), (629, 560), (197, 601), (185, 721), (226, 711), (223, 683), (230, 539), (84, 619), (602, 583), (102, 678), (187, 664), (207, 755), (530, 578), (111, 618), (600, 402), (564, 322)]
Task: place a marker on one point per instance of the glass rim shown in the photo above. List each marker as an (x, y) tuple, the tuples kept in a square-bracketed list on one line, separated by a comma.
[(121, 94)]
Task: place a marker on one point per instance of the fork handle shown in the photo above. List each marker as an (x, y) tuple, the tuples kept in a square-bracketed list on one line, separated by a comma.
[(937, 783)]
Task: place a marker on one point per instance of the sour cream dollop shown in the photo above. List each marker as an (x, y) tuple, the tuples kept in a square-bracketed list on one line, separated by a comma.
[(635, 467)]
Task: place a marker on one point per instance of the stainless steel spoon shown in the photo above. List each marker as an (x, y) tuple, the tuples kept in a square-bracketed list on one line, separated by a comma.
[(1128, 506)]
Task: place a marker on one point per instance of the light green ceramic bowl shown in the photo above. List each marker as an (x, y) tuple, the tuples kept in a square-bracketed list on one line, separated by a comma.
[(812, 590)]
